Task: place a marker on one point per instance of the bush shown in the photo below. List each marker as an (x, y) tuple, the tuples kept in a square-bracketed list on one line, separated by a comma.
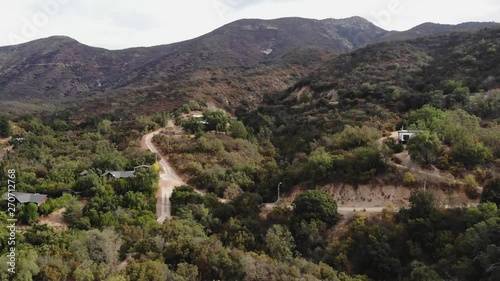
[(409, 179)]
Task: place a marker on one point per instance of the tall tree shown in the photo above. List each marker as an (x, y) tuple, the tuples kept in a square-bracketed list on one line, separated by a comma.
[(424, 148), (5, 128), (315, 205)]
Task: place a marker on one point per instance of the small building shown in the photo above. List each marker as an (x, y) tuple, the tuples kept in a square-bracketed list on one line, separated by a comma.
[(110, 175), (197, 116), (405, 135), (142, 167), (26, 198)]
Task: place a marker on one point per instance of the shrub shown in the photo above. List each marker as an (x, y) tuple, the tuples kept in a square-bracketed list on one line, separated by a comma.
[(409, 179)]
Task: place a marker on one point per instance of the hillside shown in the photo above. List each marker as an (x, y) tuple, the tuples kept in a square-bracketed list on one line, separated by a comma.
[(235, 64)]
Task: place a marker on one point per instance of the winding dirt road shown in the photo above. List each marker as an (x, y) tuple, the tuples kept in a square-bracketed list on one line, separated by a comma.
[(169, 179)]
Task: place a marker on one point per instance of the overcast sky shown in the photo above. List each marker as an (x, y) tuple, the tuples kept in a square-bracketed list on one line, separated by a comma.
[(121, 24)]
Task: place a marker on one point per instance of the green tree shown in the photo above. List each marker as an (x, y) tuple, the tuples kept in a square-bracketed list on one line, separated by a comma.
[(422, 204), (238, 130), (26, 266), (424, 148), (424, 117), (247, 204), (279, 243), (5, 128), (319, 164), (422, 272), (217, 120), (73, 212), (104, 127), (182, 196), (29, 213), (491, 192), (150, 271), (471, 153), (315, 205), (185, 108)]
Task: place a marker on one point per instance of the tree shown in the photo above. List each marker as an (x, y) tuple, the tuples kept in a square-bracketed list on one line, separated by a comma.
[(104, 127), (422, 204), (26, 266), (185, 108), (217, 120), (424, 148), (422, 272), (29, 213), (315, 205), (182, 196), (150, 271), (279, 243), (247, 204), (5, 128), (491, 192), (471, 153), (238, 130), (425, 116), (319, 164)]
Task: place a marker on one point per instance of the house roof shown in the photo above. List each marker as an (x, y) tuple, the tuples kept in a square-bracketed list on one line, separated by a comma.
[(120, 174), (142, 166), (24, 198)]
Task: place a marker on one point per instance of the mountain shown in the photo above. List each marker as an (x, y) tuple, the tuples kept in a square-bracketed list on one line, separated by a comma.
[(429, 28), (234, 64), (416, 65)]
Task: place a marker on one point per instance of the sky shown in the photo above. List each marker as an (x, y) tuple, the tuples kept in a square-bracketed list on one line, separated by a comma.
[(123, 24)]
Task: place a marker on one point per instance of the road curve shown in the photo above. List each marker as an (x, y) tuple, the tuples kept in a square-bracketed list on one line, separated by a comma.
[(168, 180)]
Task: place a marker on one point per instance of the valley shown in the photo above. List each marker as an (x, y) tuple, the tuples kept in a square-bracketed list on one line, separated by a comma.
[(263, 150)]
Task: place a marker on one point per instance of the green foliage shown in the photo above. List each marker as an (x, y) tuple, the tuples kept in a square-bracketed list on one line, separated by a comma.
[(54, 204), (238, 130), (104, 127), (248, 204), (471, 153), (361, 165), (491, 192), (422, 272), (422, 204), (182, 196), (425, 117), (424, 148), (26, 266), (217, 120), (5, 127), (29, 213), (150, 271), (185, 108), (471, 187), (315, 205), (353, 137), (320, 164), (279, 243), (409, 179), (193, 126)]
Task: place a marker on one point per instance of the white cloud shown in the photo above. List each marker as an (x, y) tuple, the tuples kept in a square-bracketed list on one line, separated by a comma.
[(128, 23)]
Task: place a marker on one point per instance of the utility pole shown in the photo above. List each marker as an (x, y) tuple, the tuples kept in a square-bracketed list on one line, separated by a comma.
[(279, 191)]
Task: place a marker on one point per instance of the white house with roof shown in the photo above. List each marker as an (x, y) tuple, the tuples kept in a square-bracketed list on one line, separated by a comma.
[(405, 135)]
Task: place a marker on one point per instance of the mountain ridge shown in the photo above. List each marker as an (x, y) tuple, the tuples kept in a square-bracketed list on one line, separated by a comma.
[(238, 61)]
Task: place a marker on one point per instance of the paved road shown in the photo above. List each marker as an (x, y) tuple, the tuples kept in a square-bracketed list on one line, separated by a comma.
[(342, 210), (168, 181)]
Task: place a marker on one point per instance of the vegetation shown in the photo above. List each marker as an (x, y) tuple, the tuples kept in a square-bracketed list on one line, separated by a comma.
[(325, 131)]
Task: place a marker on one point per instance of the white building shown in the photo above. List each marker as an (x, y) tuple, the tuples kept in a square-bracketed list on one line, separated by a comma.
[(405, 135)]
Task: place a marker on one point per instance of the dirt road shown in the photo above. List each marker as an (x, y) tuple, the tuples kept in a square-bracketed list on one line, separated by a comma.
[(169, 179)]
